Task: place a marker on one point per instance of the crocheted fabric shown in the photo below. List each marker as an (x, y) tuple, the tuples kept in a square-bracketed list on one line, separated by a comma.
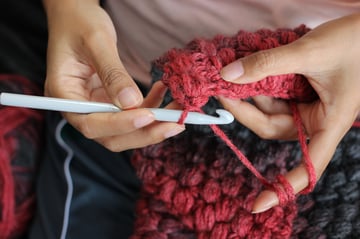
[(194, 185), (192, 75), (20, 141)]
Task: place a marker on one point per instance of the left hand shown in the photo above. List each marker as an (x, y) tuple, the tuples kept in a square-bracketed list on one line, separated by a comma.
[(328, 57)]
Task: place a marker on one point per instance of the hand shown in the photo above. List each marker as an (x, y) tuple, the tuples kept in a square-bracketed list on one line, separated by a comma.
[(83, 64), (328, 57)]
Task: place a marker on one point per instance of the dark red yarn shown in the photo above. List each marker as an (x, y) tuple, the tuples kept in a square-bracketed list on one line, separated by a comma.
[(193, 73), (17, 132), (201, 206), (194, 187), (193, 76)]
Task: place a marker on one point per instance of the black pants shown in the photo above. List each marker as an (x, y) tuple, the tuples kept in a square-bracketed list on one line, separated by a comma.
[(90, 194), (83, 190)]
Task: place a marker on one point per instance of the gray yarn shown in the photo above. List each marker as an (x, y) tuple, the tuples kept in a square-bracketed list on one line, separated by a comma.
[(332, 209), (335, 213)]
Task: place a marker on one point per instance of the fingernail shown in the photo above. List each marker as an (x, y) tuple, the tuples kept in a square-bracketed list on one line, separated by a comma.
[(143, 121), (232, 71), (265, 201), (128, 98), (174, 131)]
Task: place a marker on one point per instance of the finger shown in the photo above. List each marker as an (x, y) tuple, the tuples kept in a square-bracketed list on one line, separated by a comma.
[(119, 85), (321, 149), (281, 60), (277, 126), (152, 134), (270, 105), (96, 90), (63, 79), (98, 125), (155, 96)]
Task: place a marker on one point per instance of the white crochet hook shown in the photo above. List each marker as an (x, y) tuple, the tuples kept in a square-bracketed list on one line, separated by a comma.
[(85, 107)]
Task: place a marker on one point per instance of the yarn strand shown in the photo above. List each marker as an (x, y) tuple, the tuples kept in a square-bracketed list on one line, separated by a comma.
[(192, 75), (306, 157), (198, 186)]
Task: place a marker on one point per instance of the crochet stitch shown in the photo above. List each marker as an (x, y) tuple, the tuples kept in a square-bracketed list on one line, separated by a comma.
[(192, 75), (193, 185), (219, 197)]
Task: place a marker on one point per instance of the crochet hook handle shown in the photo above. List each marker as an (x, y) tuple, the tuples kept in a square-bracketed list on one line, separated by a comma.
[(86, 107)]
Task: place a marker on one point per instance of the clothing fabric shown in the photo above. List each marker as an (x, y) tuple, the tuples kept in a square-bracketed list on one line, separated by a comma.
[(84, 190), (23, 39), (104, 185), (147, 29)]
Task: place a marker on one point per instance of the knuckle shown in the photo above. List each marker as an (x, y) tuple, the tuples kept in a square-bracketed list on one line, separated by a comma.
[(154, 139), (110, 145), (150, 137), (85, 128), (91, 37), (119, 143), (140, 139), (264, 60), (111, 75), (267, 132)]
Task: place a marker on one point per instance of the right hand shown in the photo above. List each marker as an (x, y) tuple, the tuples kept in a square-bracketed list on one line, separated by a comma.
[(83, 64)]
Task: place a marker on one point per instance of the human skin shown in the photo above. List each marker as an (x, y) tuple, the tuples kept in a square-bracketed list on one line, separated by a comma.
[(328, 57), (83, 64)]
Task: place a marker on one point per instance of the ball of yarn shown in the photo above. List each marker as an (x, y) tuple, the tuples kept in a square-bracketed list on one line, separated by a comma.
[(20, 141)]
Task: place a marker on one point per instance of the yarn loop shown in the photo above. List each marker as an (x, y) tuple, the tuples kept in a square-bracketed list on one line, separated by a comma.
[(193, 76), (191, 180)]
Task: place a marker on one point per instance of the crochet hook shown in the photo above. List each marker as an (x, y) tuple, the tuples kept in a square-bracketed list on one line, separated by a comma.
[(85, 107)]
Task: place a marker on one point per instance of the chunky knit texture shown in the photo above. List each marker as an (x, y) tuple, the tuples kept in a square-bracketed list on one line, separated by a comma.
[(175, 173), (20, 141), (192, 75), (194, 186)]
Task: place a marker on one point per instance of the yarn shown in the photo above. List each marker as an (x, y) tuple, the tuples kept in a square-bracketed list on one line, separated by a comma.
[(193, 73), (336, 198), (194, 159), (193, 185), (197, 184), (20, 133), (192, 76)]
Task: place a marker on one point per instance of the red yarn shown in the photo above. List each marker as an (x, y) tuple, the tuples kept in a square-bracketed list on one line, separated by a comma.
[(182, 193), (193, 73), (194, 188), (15, 202), (193, 76), (356, 124)]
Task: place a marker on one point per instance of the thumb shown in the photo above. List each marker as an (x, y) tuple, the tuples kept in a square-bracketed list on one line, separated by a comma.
[(117, 82), (276, 61)]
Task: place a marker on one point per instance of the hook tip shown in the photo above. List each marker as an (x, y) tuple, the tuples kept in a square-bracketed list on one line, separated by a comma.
[(225, 116)]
